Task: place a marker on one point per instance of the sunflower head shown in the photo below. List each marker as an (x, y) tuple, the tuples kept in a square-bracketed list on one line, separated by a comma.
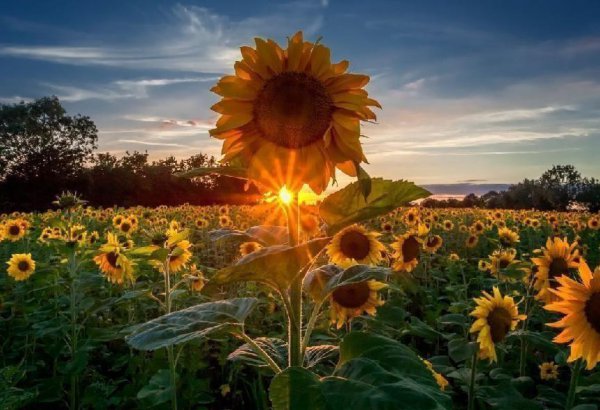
[(579, 303), (548, 371), (557, 258), (291, 116), (350, 301), (355, 245), (20, 266), (249, 247), (495, 317), (407, 249)]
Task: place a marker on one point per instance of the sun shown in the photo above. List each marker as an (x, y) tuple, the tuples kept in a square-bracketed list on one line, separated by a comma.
[(285, 196)]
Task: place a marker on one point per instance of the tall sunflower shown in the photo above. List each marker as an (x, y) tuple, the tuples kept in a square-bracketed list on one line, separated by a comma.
[(557, 258), (20, 266), (290, 116), (495, 317), (350, 301), (355, 245), (579, 303)]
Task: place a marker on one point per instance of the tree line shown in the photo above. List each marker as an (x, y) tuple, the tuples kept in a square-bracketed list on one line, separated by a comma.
[(44, 151), (560, 188)]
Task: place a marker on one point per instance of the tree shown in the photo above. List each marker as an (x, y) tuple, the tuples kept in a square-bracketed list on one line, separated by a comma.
[(38, 140), (562, 183), (589, 196)]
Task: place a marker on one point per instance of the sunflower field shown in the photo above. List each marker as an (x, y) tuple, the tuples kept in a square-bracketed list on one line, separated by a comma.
[(362, 300)]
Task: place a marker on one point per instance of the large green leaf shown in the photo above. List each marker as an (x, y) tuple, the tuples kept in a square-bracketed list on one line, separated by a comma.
[(296, 388), (191, 323), (275, 266), (264, 234), (373, 372), (348, 205), (229, 171), (355, 274)]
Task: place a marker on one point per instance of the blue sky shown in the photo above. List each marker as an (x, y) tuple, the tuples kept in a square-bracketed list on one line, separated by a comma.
[(479, 91)]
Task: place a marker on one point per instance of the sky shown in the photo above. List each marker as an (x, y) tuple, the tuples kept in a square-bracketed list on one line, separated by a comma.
[(472, 91)]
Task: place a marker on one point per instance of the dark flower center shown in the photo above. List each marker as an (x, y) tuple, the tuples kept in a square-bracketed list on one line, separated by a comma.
[(504, 263), (14, 230), (355, 245), (558, 267), (293, 110), (125, 227), (499, 321), (352, 296), (23, 266), (592, 311), (410, 249), (111, 258)]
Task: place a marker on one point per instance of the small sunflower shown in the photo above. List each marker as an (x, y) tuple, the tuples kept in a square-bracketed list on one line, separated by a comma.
[(447, 225), (557, 258), (249, 247), (501, 259), (471, 241), (20, 266), (495, 317), (15, 229), (113, 263), (432, 243), (507, 237), (548, 371), (593, 223), (350, 301), (290, 116), (579, 303), (355, 245), (407, 249)]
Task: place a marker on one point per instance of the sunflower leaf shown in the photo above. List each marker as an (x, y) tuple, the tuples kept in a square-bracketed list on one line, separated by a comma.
[(274, 347), (348, 205), (275, 266), (192, 323), (364, 180), (355, 274)]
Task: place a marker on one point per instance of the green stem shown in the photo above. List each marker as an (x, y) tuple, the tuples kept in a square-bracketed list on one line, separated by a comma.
[(170, 355), (74, 342), (575, 372), (295, 319), (259, 350), (471, 405), (311, 325)]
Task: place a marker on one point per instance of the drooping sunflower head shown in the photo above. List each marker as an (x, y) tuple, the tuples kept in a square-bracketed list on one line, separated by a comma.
[(407, 249), (558, 257), (113, 263), (350, 301), (21, 266), (290, 116), (355, 245), (495, 317), (507, 237), (579, 303), (179, 256)]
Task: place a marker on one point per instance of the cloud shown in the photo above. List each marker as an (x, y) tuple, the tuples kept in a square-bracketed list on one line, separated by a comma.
[(192, 39), (14, 100)]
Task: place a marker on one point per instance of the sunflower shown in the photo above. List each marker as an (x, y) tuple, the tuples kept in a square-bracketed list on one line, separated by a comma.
[(112, 262), (117, 219), (291, 116), (179, 256), (495, 317), (579, 303), (201, 223), (557, 258), (126, 226), (433, 243), (15, 229), (447, 225), (249, 247), (548, 371), (350, 301), (502, 259), (471, 241), (507, 237), (355, 245), (593, 223), (225, 221), (407, 250), (411, 217), (20, 266), (196, 279), (478, 227)]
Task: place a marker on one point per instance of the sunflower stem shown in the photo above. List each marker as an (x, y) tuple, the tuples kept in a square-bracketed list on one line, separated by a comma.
[(170, 353), (575, 372), (471, 404), (295, 320)]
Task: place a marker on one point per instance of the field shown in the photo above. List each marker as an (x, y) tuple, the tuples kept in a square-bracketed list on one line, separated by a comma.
[(403, 310)]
